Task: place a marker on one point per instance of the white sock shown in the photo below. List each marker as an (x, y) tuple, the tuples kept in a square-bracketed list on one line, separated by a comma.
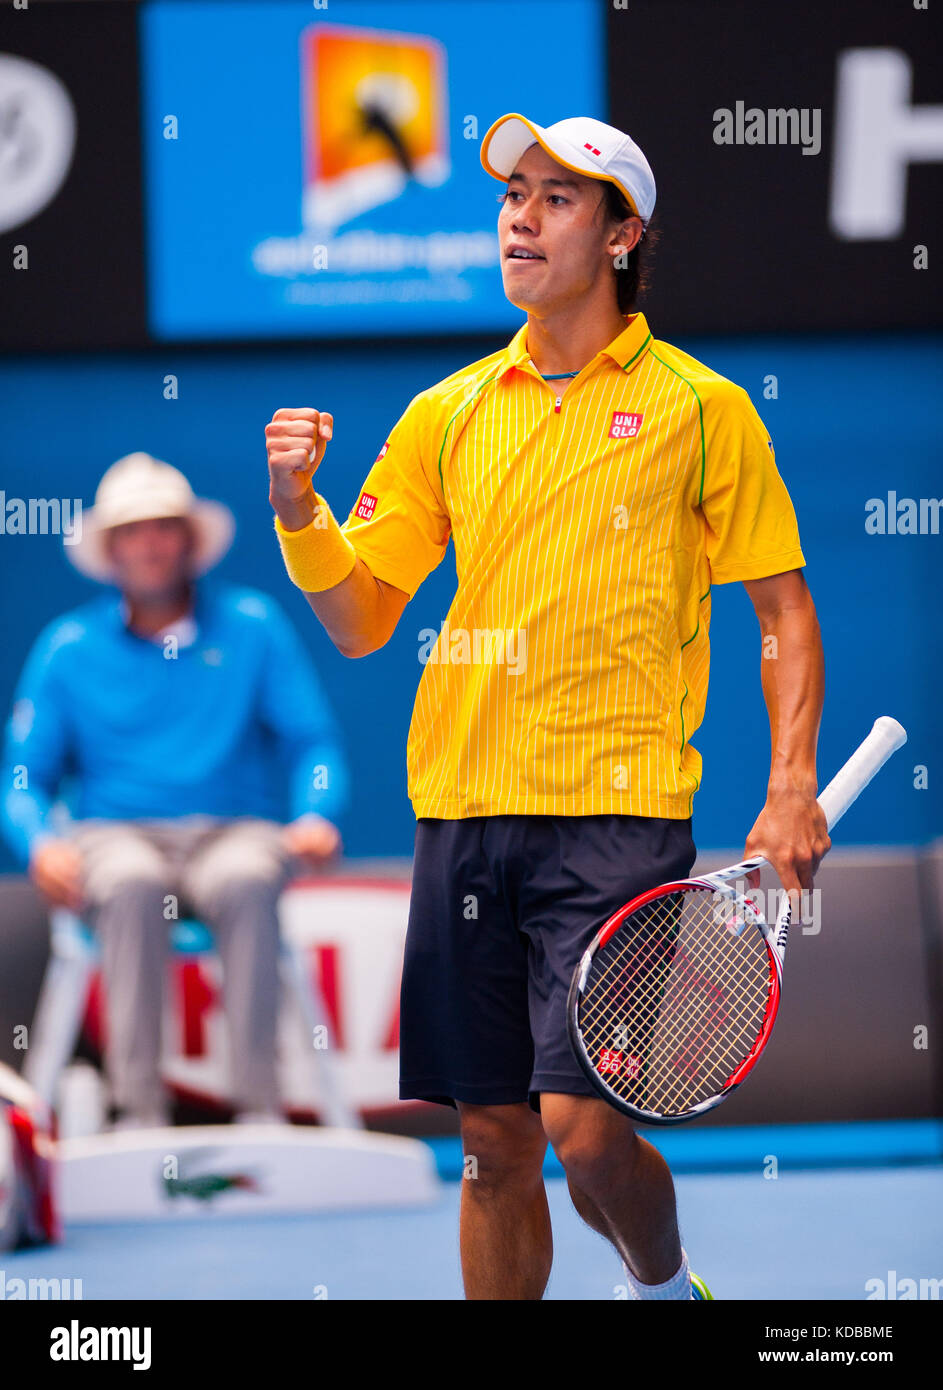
[(678, 1287)]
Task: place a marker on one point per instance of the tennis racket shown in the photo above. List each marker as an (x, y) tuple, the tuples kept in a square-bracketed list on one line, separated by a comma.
[(672, 1004)]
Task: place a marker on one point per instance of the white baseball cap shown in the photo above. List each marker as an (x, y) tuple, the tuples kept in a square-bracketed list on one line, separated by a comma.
[(585, 145)]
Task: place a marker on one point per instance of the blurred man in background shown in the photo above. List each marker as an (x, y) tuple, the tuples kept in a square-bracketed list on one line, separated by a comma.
[(179, 716)]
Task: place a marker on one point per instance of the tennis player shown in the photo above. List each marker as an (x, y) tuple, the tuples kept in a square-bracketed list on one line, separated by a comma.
[(597, 483)]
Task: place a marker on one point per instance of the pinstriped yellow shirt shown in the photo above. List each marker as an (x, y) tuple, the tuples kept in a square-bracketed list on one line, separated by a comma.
[(590, 518)]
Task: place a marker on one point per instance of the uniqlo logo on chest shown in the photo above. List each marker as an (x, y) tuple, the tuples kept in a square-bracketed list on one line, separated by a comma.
[(366, 506), (625, 424)]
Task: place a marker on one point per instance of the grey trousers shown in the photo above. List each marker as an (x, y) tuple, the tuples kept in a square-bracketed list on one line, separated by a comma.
[(141, 875)]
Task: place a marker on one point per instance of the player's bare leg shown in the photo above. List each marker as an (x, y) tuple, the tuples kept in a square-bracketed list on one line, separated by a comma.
[(620, 1184), (506, 1242)]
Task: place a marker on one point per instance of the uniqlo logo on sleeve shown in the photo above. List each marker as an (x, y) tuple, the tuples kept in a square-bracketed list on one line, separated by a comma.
[(382, 452), (625, 425), (366, 506)]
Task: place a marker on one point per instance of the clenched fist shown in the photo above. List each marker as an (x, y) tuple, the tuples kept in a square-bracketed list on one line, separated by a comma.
[(295, 441)]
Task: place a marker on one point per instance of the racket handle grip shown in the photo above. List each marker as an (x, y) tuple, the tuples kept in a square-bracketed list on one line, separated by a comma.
[(850, 781)]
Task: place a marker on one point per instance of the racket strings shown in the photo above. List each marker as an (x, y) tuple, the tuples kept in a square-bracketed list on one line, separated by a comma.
[(687, 997), (648, 982), (704, 1056), (647, 978), (658, 923), (687, 1006), (684, 997), (701, 1057), (673, 1081), (674, 1002)]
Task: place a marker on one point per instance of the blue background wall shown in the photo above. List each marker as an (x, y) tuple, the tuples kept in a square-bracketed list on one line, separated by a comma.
[(854, 418)]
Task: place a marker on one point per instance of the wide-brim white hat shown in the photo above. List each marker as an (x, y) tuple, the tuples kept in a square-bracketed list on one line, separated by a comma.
[(141, 488)]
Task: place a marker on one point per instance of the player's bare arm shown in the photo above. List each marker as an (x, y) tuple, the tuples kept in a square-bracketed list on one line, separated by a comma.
[(790, 831), (360, 613)]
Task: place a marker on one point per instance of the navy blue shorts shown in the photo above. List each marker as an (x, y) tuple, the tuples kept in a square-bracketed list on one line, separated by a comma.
[(502, 908)]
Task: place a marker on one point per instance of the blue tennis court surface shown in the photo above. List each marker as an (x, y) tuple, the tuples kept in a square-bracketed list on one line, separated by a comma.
[(810, 1233)]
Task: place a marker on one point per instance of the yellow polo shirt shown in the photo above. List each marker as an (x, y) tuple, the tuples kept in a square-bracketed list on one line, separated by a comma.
[(590, 517)]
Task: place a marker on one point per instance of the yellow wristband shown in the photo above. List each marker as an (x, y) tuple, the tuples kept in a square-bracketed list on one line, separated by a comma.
[(319, 555)]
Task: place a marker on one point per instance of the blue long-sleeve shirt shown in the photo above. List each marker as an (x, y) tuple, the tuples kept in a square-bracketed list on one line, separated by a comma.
[(235, 724)]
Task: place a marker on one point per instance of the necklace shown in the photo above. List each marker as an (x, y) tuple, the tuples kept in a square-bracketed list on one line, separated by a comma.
[(558, 376)]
